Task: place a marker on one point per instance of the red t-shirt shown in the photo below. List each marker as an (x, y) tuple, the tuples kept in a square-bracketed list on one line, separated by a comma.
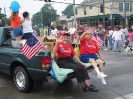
[(80, 29), (15, 22), (65, 50), (87, 47)]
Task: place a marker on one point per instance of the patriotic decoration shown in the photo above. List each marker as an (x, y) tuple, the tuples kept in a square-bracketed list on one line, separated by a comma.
[(31, 47), (98, 40)]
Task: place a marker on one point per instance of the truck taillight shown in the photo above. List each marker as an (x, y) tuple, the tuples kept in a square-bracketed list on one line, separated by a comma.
[(46, 63)]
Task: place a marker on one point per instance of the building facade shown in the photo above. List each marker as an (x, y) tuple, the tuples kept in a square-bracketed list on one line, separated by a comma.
[(116, 12)]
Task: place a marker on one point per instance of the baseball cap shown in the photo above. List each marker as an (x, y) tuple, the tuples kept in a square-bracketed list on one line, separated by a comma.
[(66, 34), (109, 27)]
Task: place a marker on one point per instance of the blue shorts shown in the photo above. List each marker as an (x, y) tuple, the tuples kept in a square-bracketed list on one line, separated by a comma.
[(86, 57), (18, 31)]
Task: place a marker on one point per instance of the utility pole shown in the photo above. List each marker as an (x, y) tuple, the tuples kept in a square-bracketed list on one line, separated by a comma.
[(126, 23), (5, 16), (75, 23), (111, 12), (103, 14)]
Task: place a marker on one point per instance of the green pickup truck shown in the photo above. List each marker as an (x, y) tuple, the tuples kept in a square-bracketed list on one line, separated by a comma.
[(24, 71)]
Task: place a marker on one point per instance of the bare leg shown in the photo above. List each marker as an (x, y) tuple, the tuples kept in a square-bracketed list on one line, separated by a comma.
[(100, 62), (87, 82), (83, 84), (93, 62)]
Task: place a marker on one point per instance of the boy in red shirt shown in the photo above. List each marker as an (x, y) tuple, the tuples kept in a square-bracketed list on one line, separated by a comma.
[(88, 51), (65, 54)]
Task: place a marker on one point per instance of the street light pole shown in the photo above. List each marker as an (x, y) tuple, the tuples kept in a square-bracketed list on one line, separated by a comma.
[(126, 23), (5, 15), (75, 25), (103, 14), (111, 12)]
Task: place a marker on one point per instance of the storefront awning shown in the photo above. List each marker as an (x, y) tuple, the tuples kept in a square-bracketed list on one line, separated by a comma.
[(131, 16), (99, 16)]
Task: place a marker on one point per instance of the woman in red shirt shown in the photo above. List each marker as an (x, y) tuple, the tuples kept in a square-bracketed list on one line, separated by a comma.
[(88, 51), (65, 54)]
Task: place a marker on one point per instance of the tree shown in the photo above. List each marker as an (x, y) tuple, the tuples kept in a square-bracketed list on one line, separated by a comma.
[(45, 16), (68, 10), (2, 20)]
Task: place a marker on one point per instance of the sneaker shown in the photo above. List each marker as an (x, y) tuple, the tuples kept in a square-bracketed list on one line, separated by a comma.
[(110, 49), (119, 51), (91, 88), (101, 75), (103, 81), (104, 75), (105, 49)]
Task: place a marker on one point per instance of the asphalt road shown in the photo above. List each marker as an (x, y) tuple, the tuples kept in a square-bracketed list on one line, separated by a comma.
[(119, 69)]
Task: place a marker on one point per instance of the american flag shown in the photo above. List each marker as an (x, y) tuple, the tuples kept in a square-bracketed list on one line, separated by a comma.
[(31, 47), (98, 40)]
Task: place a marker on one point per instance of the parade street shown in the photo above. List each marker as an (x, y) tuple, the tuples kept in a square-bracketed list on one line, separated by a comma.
[(119, 69)]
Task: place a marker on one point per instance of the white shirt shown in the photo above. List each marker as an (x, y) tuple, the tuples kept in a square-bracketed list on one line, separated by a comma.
[(27, 26), (126, 31), (111, 32), (54, 32), (72, 30), (117, 35)]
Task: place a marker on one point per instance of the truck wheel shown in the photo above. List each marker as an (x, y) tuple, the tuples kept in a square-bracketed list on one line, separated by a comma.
[(22, 80)]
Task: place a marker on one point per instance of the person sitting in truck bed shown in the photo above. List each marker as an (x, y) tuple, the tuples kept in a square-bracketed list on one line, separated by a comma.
[(65, 54), (88, 51)]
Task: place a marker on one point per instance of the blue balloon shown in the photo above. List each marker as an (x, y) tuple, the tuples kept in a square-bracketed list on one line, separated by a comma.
[(15, 6)]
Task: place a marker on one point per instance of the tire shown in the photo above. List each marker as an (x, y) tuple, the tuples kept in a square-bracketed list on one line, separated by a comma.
[(22, 80)]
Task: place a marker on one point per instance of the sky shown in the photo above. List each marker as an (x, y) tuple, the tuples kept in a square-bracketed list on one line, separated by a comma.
[(33, 6)]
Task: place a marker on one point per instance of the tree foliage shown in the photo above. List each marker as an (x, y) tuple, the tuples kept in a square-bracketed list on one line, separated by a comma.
[(2, 19), (68, 10), (45, 15)]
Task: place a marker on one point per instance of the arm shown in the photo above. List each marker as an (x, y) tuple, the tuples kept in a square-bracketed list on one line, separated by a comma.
[(113, 36), (21, 21), (77, 59), (82, 36), (100, 56)]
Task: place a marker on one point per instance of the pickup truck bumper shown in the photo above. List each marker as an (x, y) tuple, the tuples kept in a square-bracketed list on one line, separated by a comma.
[(37, 74)]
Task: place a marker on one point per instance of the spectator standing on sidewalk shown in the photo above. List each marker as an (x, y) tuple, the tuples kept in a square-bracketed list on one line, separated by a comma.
[(53, 31), (106, 40), (117, 38), (72, 31), (86, 27), (123, 38), (126, 32), (110, 36), (130, 38), (101, 32)]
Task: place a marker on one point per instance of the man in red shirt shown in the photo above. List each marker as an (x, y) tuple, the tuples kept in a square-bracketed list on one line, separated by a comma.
[(88, 51), (65, 54)]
